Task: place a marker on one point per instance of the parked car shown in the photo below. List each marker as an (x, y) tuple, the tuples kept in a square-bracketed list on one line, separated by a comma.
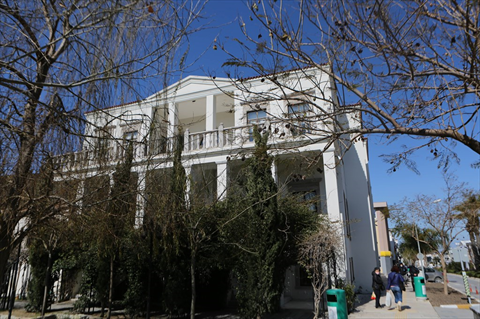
[(433, 275)]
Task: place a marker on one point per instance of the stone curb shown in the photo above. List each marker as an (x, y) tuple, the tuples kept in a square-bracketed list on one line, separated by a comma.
[(463, 306)]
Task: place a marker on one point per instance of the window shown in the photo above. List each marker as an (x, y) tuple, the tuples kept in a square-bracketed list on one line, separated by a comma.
[(347, 217), (103, 142), (158, 131), (309, 198), (298, 113), (352, 269), (129, 138), (255, 118)]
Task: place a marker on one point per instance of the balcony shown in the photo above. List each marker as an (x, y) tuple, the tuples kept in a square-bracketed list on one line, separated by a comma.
[(221, 139)]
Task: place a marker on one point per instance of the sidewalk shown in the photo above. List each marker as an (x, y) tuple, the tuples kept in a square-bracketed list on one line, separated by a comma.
[(411, 308), (365, 308)]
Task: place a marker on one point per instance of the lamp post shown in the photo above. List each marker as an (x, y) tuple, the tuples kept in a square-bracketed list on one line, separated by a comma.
[(420, 255)]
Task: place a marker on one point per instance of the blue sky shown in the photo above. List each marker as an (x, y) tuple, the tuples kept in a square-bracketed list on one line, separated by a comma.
[(389, 187), (393, 187)]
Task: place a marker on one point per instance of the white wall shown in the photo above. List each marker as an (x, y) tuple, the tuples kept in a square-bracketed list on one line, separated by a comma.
[(227, 119), (363, 242), (194, 124)]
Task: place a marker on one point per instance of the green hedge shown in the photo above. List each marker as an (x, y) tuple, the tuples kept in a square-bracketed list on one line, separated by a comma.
[(455, 268)]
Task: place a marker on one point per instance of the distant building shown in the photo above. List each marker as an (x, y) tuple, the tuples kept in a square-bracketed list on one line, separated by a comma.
[(384, 242), (462, 253)]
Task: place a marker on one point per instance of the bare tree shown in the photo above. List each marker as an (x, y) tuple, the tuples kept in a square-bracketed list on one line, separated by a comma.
[(409, 67), (438, 215), (317, 250), (61, 58)]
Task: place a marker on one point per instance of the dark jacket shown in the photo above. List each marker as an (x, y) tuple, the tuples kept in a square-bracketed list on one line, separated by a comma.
[(394, 279), (377, 282), (413, 271)]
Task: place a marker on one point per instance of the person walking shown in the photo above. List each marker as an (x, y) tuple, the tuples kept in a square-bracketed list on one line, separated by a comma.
[(377, 285), (413, 273), (396, 284), (403, 270)]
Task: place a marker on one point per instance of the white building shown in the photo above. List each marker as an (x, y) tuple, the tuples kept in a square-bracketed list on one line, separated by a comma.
[(216, 119), (462, 253)]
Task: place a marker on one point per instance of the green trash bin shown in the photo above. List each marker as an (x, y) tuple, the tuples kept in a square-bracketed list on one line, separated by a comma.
[(337, 304), (420, 290)]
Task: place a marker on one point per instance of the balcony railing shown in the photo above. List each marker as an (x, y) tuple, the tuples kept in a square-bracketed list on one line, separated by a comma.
[(221, 138)]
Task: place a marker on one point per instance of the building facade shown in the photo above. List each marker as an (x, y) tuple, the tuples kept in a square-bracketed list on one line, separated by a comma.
[(462, 253), (215, 118), (384, 244)]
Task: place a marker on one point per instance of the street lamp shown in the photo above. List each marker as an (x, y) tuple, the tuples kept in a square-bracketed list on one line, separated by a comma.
[(420, 255)]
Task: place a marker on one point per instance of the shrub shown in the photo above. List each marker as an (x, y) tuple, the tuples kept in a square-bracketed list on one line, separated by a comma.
[(454, 267), (350, 294), (473, 273)]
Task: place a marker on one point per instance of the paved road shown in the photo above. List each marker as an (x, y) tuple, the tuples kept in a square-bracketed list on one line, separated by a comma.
[(450, 313), (456, 281)]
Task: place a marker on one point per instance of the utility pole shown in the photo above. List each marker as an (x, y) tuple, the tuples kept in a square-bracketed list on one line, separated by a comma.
[(420, 255)]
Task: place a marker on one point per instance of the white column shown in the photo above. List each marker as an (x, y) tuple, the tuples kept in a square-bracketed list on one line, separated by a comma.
[(172, 124), (211, 119), (331, 186), (188, 173), (118, 141), (111, 181), (140, 209), (211, 113), (143, 132), (221, 137), (240, 119), (275, 171), (79, 195), (239, 113), (221, 180), (333, 198)]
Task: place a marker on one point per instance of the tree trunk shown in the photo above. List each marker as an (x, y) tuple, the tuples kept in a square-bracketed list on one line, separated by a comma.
[(14, 283), (110, 290), (317, 295), (102, 306), (5, 250), (444, 271), (45, 290), (475, 252), (193, 282), (149, 287)]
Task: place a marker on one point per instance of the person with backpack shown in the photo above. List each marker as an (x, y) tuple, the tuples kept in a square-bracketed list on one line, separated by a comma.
[(413, 273)]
